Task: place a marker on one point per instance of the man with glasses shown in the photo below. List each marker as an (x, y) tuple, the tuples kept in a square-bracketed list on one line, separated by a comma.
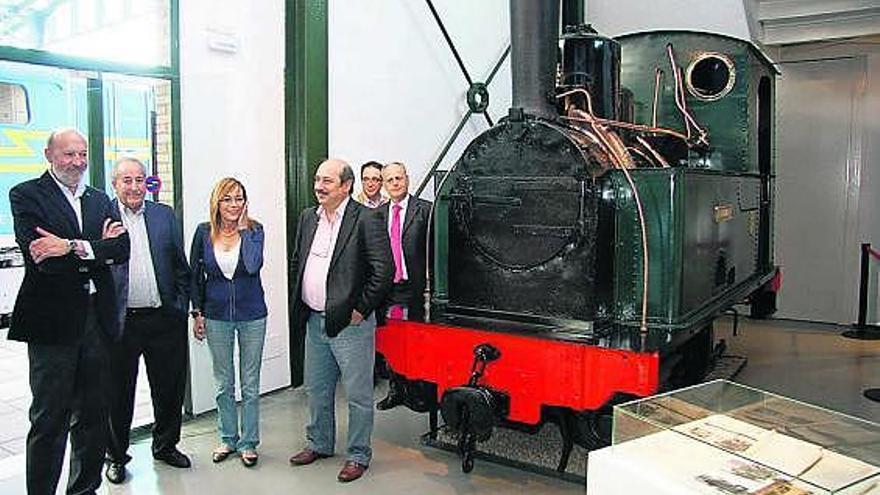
[(372, 194), (153, 289)]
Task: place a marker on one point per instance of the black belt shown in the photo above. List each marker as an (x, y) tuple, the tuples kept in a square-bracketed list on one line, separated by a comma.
[(142, 311)]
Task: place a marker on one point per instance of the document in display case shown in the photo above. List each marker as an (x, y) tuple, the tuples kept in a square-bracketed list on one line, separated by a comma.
[(723, 438)]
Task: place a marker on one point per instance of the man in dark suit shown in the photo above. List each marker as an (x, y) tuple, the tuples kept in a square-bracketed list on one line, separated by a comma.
[(66, 312), (407, 219), (343, 271), (153, 289)]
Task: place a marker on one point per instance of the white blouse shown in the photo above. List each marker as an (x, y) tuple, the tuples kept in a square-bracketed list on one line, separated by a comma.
[(228, 260)]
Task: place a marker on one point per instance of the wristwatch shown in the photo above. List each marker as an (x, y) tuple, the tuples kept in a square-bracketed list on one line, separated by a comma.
[(71, 244)]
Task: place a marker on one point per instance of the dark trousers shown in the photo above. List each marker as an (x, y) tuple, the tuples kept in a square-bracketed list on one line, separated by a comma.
[(161, 339), (69, 386), (407, 295)]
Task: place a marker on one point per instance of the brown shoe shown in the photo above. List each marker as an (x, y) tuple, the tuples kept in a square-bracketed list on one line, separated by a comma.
[(307, 456), (351, 471)]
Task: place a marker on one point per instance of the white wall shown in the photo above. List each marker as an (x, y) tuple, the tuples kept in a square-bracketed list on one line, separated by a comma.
[(396, 92), (616, 17), (859, 187), (232, 107)]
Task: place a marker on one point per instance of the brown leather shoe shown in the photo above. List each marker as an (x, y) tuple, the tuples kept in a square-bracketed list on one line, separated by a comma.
[(307, 456), (351, 471)]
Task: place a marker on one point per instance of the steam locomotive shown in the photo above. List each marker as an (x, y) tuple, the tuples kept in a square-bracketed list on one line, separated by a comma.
[(584, 245)]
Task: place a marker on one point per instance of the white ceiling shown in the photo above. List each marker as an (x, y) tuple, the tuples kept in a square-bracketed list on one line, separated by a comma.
[(784, 22)]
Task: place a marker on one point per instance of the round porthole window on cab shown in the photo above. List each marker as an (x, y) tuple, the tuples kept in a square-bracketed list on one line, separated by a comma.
[(710, 76)]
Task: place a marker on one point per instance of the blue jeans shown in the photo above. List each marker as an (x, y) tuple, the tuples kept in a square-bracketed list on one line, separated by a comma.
[(221, 340), (351, 354)]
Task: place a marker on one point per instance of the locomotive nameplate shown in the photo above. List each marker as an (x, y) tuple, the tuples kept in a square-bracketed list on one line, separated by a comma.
[(723, 213)]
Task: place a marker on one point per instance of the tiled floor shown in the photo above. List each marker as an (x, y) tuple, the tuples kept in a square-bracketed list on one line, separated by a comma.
[(15, 397), (807, 362)]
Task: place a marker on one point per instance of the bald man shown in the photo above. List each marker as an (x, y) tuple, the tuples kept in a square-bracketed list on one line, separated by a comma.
[(407, 220), (66, 311), (343, 272)]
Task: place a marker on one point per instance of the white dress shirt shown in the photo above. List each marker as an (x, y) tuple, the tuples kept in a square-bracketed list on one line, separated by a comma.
[(75, 200), (143, 291)]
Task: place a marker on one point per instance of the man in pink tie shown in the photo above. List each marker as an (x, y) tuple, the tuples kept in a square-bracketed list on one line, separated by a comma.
[(407, 219)]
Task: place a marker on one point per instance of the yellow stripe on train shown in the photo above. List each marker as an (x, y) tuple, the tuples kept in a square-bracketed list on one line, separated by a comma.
[(22, 168), (137, 147), (20, 147)]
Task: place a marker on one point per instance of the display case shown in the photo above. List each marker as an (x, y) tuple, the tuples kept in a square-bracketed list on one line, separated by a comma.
[(728, 439)]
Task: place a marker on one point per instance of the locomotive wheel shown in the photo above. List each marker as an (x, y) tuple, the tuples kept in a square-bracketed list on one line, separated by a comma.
[(592, 429)]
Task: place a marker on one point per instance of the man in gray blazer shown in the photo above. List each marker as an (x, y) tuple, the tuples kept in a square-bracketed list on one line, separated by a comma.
[(153, 290), (343, 268)]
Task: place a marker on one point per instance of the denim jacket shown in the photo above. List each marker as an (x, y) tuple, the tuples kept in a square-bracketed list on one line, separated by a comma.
[(239, 299)]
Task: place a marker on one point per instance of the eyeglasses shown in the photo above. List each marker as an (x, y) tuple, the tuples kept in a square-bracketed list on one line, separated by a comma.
[(229, 200), (371, 179)]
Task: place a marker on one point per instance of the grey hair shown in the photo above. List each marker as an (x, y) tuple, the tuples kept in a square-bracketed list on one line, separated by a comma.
[(399, 164), (125, 159)]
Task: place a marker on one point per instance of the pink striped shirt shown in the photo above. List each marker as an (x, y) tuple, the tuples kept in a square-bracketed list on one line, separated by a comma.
[(314, 284)]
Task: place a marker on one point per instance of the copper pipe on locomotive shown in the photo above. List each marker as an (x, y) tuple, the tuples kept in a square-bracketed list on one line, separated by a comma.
[(592, 63), (658, 78), (681, 101), (621, 159)]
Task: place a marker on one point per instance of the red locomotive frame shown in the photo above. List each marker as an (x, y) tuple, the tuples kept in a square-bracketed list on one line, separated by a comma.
[(532, 371)]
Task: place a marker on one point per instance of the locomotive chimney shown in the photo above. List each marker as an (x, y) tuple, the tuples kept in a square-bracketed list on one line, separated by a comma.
[(534, 28)]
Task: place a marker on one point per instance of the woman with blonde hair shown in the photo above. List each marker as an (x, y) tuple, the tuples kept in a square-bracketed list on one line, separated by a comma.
[(228, 301)]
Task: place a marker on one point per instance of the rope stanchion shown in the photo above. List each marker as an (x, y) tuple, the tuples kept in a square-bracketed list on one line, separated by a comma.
[(862, 330)]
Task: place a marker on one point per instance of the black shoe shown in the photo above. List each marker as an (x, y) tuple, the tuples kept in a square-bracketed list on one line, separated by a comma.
[(173, 457), (115, 472), (390, 401), (249, 458)]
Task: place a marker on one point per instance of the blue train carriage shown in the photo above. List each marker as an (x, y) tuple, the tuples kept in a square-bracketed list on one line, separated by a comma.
[(129, 123), (33, 102)]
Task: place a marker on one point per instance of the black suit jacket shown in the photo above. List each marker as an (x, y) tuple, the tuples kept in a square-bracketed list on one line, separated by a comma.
[(413, 239), (52, 302), (169, 261), (361, 268)]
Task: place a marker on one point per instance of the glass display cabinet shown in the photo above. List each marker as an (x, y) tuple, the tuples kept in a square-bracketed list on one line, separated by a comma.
[(725, 438)]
